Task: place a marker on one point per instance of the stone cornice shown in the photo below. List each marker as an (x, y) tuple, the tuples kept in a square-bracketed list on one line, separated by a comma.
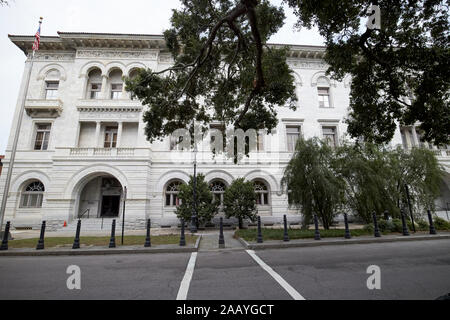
[(71, 41)]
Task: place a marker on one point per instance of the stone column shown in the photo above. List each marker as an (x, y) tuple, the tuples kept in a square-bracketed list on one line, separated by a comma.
[(77, 137), (105, 90), (414, 135), (85, 87), (408, 139), (97, 133), (124, 94), (119, 134)]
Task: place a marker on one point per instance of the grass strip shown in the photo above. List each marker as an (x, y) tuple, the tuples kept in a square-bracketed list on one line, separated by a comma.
[(53, 242)]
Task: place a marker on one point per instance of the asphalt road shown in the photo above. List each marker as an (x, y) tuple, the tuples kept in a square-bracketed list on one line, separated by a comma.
[(409, 270)]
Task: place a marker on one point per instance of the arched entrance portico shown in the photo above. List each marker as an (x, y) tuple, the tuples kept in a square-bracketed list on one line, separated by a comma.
[(100, 197), (94, 175)]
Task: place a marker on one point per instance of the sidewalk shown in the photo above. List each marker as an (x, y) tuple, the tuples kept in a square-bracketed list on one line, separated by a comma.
[(278, 244), (210, 241)]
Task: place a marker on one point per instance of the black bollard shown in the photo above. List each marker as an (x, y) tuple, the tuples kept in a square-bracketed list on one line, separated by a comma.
[(112, 241), (148, 242), (40, 244), (76, 241), (182, 238), (430, 220), (316, 226), (375, 225), (221, 237), (4, 245), (404, 226), (286, 235), (259, 238), (347, 230)]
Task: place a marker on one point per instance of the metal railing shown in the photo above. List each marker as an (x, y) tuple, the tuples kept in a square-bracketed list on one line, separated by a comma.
[(82, 215)]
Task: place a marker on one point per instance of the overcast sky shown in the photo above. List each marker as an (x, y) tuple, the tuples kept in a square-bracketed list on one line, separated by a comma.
[(109, 16)]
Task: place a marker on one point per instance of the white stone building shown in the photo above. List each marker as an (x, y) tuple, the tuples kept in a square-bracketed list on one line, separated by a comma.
[(82, 136)]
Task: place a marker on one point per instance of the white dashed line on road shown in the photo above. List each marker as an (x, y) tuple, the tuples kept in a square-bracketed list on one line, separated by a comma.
[(184, 287), (286, 286)]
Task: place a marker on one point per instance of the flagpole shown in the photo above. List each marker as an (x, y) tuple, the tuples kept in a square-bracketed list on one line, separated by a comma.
[(16, 139)]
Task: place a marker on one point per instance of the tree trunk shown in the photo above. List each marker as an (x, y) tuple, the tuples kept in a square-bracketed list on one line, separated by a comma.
[(241, 224)]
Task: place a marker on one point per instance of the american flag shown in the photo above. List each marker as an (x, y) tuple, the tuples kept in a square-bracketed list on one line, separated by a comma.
[(37, 37)]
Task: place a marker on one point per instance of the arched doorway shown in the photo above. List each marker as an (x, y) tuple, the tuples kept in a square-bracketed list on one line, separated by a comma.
[(218, 187), (100, 198)]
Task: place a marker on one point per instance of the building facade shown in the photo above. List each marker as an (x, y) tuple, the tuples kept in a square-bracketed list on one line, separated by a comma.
[(82, 141)]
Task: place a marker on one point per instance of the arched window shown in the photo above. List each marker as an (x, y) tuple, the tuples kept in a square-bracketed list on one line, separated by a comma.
[(32, 195), (218, 190), (52, 84), (172, 191), (262, 193), (323, 91), (95, 84), (115, 84)]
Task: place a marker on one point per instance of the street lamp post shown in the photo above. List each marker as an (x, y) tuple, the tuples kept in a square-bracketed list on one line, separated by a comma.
[(123, 212), (194, 205)]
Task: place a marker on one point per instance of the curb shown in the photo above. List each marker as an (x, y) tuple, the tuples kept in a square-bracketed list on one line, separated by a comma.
[(315, 243), (103, 251)]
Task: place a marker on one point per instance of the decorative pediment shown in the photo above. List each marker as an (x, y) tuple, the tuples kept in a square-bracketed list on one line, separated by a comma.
[(41, 108)]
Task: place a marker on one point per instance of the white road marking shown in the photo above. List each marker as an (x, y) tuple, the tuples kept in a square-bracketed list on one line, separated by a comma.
[(286, 286), (184, 287)]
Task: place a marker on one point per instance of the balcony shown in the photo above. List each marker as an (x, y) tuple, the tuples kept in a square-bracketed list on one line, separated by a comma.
[(101, 153), (441, 152), (42, 108), (99, 105)]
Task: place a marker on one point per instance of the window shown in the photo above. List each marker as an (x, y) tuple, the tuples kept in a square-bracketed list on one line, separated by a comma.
[(116, 90), (51, 90), (329, 134), (110, 137), (216, 130), (260, 141), (32, 195), (324, 97), (262, 193), (407, 137), (218, 190), (172, 191), (115, 83), (258, 145), (96, 89), (42, 136), (175, 143), (422, 142), (292, 135)]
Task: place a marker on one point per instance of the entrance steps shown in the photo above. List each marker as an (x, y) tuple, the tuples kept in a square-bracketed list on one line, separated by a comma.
[(93, 224)]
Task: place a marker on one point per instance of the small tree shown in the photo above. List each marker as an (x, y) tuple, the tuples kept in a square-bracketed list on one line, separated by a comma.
[(312, 184), (206, 208), (375, 178), (240, 201), (419, 169), (368, 179)]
